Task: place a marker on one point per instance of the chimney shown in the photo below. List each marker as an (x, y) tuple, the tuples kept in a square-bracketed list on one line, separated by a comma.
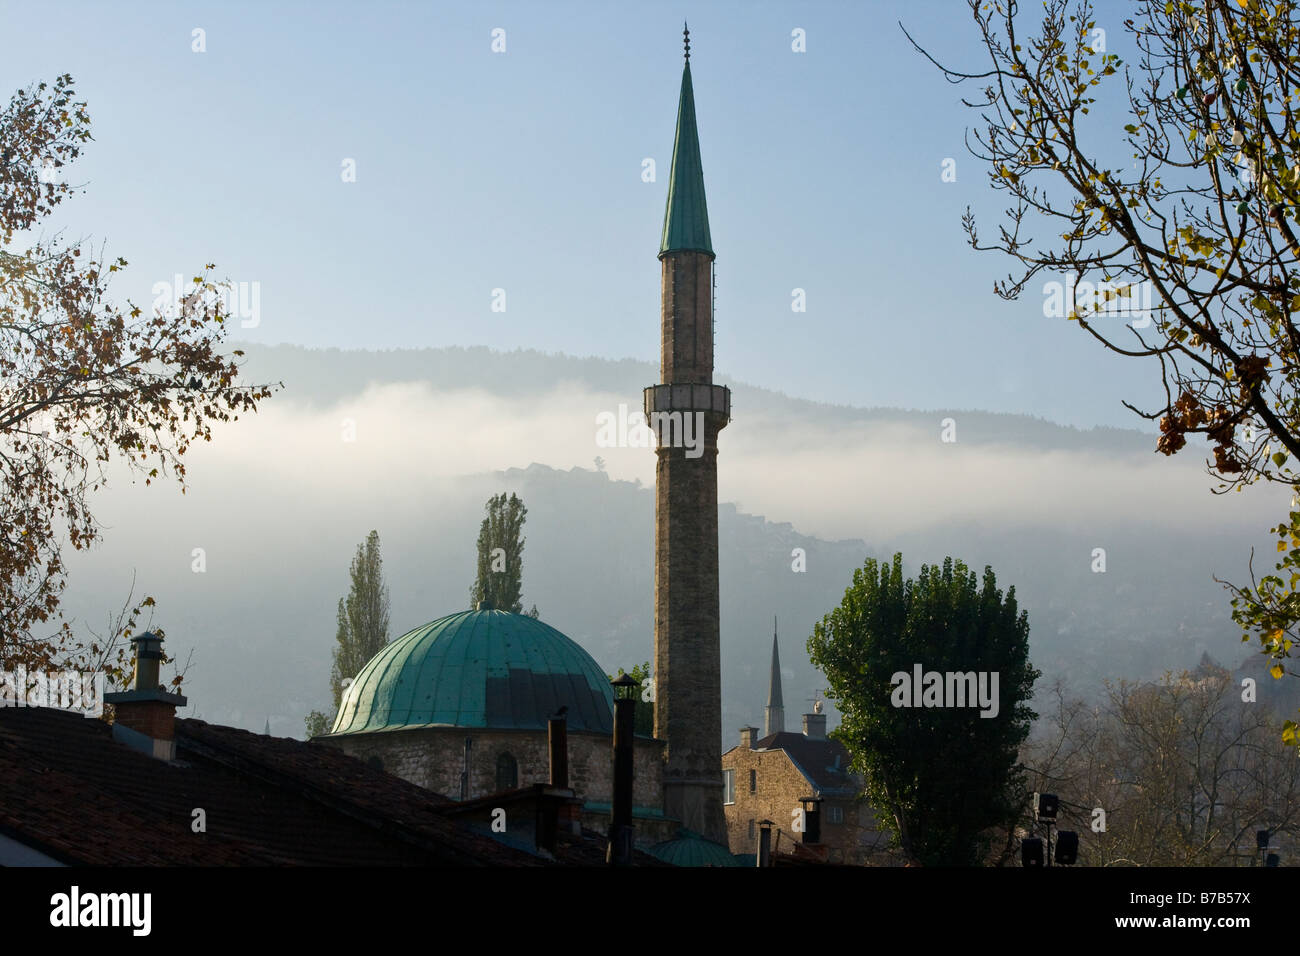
[(814, 725), (620, 830), (145, 716), (748, 737), (557, 739), (559, 811)]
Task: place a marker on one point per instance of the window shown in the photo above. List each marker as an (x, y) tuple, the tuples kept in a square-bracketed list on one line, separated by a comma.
[(835, 814), (507, 772), (751, 828), (753, 781), (728, 786)]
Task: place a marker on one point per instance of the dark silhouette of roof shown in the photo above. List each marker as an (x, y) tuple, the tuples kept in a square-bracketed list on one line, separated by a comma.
[(70, 791)]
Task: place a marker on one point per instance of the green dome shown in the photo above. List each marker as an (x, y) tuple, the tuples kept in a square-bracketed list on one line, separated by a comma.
[(691, 849), (483, 668)]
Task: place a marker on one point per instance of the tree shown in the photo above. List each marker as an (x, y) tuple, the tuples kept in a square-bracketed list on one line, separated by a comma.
[(83, 381), (1188, 197), (645, 707), (362, 628), (317, 723), (500, 555), (362, 617), (1183, 771), (939, 773)]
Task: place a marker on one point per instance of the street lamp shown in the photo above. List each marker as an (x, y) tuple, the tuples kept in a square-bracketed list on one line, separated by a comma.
[(1033, 851)]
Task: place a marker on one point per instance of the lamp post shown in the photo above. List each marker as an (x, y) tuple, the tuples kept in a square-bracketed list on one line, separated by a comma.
[(1033, 851), (1046, 806), (1261, 843), (620, 828)]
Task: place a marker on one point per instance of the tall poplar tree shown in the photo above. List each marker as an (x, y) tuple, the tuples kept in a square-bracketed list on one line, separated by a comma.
[(500, 555), (362, 627), (362, 617)]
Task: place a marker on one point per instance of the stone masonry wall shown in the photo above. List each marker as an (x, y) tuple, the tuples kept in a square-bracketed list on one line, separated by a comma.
[(779, 787), (434, 758)]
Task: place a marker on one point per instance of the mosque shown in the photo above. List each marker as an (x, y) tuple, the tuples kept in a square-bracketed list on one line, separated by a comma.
[(461, 704)]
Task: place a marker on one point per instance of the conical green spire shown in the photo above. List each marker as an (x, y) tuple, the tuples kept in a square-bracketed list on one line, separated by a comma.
[(686, 219)]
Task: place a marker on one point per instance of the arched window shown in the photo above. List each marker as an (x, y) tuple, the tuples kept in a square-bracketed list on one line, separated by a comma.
[(507, 772)]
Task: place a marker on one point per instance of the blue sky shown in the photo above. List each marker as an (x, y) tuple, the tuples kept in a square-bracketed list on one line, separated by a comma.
[(522, 171)]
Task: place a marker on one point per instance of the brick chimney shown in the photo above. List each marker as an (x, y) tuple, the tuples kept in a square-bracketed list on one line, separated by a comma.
[(145, 716), (814, 725), (748, 737)]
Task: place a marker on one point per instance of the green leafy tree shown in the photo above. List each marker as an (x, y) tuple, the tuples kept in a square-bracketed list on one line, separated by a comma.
[(317, 723), (940, 777), (362, 617), (362, 627), (1177, 174), (500, 555), (645, 706)]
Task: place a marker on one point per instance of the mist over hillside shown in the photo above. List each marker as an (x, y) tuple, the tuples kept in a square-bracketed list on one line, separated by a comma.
[(412, 443)]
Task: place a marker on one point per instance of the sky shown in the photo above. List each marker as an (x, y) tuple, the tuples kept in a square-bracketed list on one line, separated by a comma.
[(227, 133), (522, 169)]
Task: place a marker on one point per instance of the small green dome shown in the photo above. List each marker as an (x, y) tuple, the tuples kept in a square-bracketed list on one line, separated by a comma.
[(483, 668), (690, 849)]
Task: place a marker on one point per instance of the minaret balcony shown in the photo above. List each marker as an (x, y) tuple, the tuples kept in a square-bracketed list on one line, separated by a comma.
[(715, 399)]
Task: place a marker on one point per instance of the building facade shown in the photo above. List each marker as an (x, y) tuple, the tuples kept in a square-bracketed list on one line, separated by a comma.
[(773, 778)]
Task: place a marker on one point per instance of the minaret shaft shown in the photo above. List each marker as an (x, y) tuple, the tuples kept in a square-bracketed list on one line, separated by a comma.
[(686, 410)]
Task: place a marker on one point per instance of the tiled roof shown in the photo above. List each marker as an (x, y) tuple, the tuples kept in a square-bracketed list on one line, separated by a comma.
[(824, 763), (70, 791)]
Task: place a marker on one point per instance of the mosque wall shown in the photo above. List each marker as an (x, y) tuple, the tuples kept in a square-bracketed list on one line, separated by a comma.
[(434, 758)]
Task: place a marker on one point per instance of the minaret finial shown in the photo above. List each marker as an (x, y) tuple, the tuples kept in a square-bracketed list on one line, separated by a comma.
[(686, 36)]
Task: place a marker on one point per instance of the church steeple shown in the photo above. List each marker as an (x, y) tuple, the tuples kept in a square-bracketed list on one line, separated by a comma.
[(686, 219), (774, 715)]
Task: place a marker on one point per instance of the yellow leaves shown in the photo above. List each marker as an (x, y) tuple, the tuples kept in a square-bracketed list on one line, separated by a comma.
[(1277, 671)]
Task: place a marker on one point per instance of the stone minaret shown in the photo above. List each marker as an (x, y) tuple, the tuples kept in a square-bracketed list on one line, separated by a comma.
[(774, 716), (688, 410)]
